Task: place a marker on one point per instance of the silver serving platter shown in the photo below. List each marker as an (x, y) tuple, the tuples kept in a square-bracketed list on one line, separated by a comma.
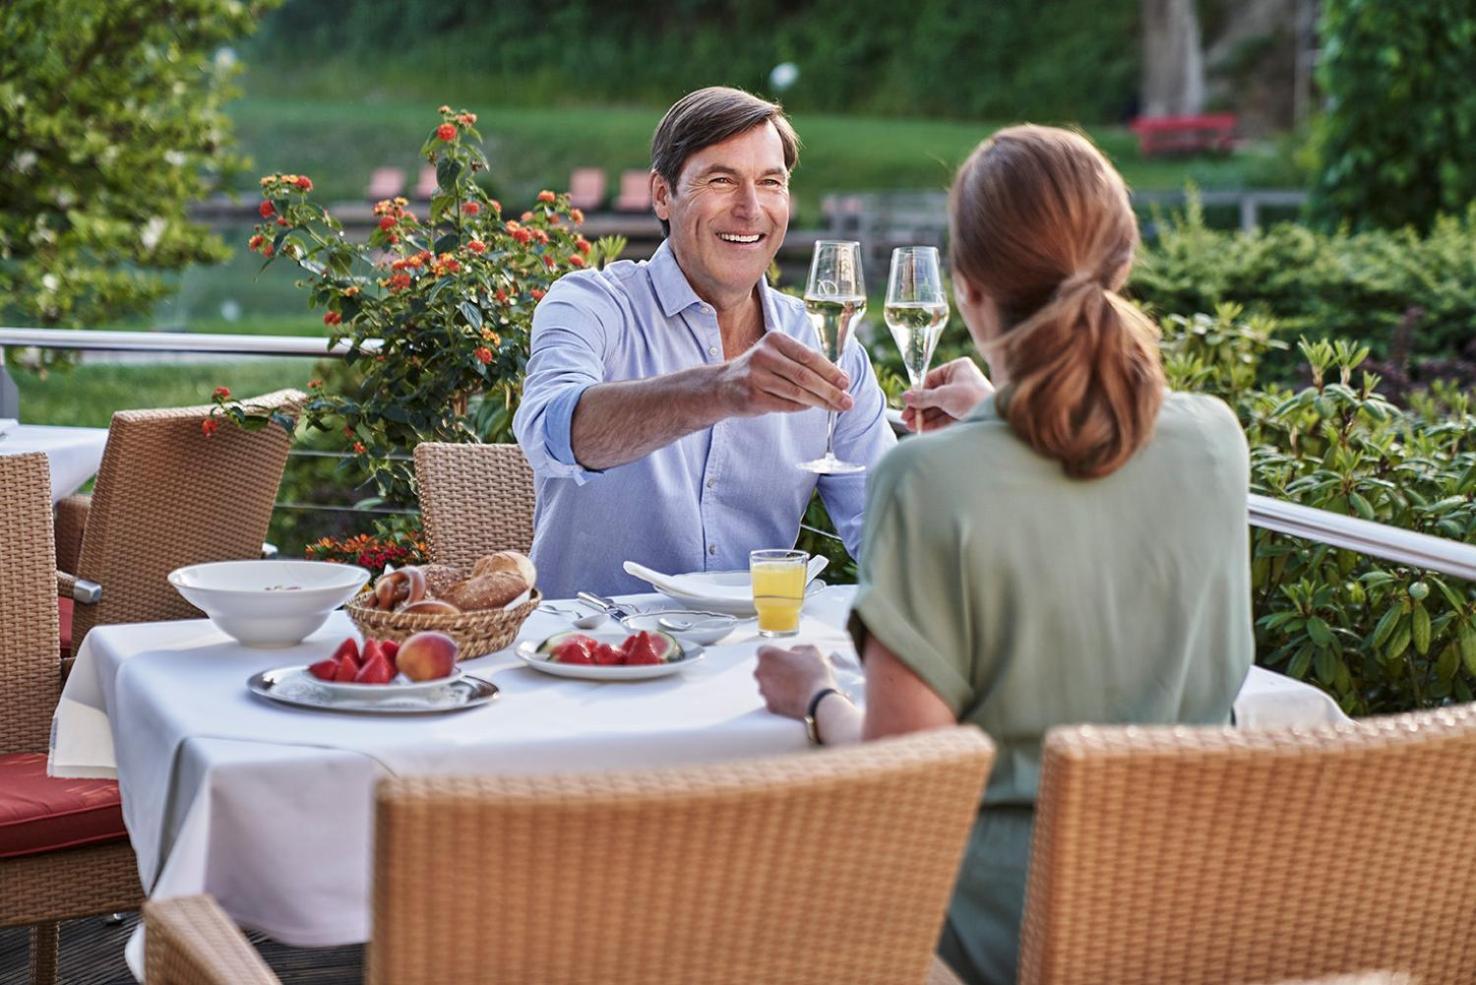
[(294, 686)]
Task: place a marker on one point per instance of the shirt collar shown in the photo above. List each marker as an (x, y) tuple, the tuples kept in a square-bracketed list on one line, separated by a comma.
[(673, 292)]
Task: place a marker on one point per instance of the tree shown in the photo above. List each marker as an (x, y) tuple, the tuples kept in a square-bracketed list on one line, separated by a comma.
[(1173, 64), (1394, 145), (111, 123)]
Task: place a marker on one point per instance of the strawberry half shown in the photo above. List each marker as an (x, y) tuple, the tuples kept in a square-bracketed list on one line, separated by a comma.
[(349, 647), (324, 670), (391, 650), (376, 671), (347, 668)]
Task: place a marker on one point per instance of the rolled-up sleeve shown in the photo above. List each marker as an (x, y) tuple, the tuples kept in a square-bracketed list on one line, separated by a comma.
[(567, 357), (863, 435)]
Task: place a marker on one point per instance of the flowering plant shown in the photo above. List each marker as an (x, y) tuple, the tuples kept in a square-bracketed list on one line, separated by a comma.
[(436, 308), (371, 552), (242, 415)]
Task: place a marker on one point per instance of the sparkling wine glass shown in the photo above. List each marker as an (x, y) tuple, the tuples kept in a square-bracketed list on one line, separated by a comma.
[(915, 310), (835, 296)]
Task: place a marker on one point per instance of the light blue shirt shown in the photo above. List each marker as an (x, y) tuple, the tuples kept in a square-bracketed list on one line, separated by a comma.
[(704, 501)]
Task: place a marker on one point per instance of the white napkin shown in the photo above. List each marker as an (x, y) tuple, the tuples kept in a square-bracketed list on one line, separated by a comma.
[(6, 423), (694, 587)]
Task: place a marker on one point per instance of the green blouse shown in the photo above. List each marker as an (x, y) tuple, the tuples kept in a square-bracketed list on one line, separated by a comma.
[(1028, 599)]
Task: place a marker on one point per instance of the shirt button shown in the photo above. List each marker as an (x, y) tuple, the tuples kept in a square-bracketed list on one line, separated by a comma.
[(711, 483), (712, 549), (712, 350)]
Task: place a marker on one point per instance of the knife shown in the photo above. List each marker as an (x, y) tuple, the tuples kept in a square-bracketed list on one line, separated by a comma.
[(608, 606)]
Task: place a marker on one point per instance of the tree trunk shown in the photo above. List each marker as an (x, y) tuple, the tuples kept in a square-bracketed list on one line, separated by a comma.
[(1173, 64)]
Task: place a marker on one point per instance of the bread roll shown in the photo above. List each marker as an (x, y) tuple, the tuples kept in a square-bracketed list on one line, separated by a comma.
[(440, 579), (507, 561), (490, 591)]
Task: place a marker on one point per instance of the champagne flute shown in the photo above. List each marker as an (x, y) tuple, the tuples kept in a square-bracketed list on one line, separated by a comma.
[(915, 310), (835, 296)]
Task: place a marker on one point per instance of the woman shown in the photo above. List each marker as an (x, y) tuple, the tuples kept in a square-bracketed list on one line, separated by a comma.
[(1070, 548)]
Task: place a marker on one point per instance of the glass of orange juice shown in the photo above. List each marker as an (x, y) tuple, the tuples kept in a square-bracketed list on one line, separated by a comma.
[(778, 590)]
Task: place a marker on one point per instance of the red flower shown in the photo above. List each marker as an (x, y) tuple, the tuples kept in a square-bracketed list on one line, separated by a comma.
[(483, 354), (576, 260), (254, 242), (399, 282), (392, 239), (282, 222), (314, 384), (332, 318), (581, 244), (268, 250), (496, 205), (547, 196), (222, 393), (527, 216), (471, 208), (304, 182), (466, 119), (359, 447), (536, 294), (576, 216), (501, 295), (522, 236), (477, 246), (548, 261), (446, 131), (540, 235), (388, 222), (210, 425), (266, 208)]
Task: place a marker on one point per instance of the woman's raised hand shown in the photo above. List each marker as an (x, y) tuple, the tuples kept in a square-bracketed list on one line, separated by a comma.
[(948, 393)]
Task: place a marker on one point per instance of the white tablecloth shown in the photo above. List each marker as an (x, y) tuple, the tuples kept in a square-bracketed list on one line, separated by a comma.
[(270, 808), (73, 453)]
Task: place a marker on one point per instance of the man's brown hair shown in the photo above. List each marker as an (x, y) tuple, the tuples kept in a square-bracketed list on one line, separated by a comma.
[(709, 116)]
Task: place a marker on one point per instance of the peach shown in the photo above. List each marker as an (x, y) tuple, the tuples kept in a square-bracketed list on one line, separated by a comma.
[(426, 656)]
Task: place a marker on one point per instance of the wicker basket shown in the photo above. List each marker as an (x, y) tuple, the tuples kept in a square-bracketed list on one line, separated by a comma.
[(476, 633)]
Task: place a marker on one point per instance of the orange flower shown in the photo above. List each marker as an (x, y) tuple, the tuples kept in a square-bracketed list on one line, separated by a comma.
[(388, 222), (477, 246), (483, 354), (268, 250), (304, 182), (399, 282), (254, 242), (471, 208), (576, 216), (540, 235), (446, 131), (266, 208), (282, 222), (351, 290), (527, 216), (332, 318), (314, 384), (547, 196), (522, 236), (210, 425), (501, 296), (512, 225), (359, 447), (222, 393), (581, 244), (466, 119), (496, 205), (548, 260), (536, 294), (576, 260)]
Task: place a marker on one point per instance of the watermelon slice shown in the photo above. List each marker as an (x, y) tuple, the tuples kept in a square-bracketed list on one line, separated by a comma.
[(638, 649)]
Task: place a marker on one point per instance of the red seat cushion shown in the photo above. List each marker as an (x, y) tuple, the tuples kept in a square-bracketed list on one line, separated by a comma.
[(64, 613), (39, 813)]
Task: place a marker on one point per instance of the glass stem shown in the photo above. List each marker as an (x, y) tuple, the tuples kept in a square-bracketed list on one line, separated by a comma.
[(830, 437), (917, 415)]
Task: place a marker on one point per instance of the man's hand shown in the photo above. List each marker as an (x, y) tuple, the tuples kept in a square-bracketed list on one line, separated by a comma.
[(781, 374), (789, 677), (948, 394)]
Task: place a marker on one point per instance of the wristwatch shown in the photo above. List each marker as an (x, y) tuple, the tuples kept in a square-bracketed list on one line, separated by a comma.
[(812, 728)]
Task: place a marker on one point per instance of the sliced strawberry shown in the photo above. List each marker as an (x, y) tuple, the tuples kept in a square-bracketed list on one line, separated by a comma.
[(371, 649), (324, 670), (349, 647), (347, 668), (376, 670), (391, 650)]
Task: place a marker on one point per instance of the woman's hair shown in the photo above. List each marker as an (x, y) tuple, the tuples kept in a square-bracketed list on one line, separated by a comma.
[(1041, 225)]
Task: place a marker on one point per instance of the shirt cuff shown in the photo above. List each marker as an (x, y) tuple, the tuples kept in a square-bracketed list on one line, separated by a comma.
[(558, 430)]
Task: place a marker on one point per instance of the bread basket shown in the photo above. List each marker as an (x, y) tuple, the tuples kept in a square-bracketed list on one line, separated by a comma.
[(476, 632)]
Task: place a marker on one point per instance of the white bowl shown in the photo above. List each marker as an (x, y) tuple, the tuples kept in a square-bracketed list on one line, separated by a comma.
[(268, 603)]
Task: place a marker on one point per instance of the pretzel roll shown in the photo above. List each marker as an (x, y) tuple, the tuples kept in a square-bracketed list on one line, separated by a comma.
[(405, 586), (431, 607), (507, 561), (490, 591)]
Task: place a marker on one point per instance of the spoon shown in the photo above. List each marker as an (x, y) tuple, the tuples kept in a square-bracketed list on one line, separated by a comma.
[(580, 622), (682, 626)]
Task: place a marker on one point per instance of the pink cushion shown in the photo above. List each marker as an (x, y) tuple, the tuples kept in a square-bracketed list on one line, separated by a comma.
[(64, 613), (39, 813)]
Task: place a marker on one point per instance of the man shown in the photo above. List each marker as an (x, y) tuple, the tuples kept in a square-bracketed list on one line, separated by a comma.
[(668, 403)]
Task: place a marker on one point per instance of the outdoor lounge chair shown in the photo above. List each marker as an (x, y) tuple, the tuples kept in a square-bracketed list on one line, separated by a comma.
[(385, 183), (1204, 855), (635, 192), (426, 184), (64, 852), (828, 866), (474, 499), (587, 188), (166, 496)]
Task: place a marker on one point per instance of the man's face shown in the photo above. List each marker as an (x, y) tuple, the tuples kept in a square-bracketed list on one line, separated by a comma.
[(728, 213)]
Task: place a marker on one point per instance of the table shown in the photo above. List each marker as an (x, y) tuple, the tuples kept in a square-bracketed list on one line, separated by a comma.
[(73, 453), (270, 809)]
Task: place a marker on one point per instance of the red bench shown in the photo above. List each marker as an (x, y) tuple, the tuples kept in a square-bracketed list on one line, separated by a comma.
[(1184, 134)]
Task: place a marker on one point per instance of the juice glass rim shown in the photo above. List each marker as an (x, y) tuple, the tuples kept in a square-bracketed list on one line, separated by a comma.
[(773, 556)]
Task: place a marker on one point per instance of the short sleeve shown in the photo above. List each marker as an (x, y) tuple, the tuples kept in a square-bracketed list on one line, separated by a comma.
[(911, 584)]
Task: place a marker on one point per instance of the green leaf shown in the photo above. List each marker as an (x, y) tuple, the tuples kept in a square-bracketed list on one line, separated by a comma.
[(1299, 663), (1326, 666), (1361, 505), (1455, 600), (1400, 641), (1317, 629), (1420, 622), (1466, 637), (448, 169), (471, 313), (1385, 627)]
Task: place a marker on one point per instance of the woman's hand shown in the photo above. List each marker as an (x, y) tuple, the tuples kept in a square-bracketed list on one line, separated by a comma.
[(789, 677), (948, 394)]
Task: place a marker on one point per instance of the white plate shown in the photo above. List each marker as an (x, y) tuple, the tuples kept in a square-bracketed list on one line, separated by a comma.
[(295, 686), (528, 651), (728, 592)]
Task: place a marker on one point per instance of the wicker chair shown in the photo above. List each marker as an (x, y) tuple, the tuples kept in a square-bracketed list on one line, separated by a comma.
[(40, 886), (474, 499), (167, 495), (828, 867), (1220, 856)]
